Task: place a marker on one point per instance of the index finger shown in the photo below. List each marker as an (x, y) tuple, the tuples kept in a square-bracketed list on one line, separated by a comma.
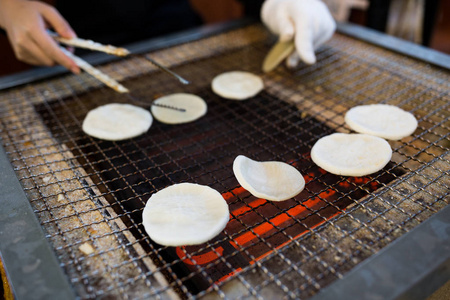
[(49, 46), (58, 23), (304, 39)]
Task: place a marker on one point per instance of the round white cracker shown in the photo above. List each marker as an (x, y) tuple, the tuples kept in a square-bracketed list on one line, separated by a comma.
[(237, 85), (351, 154), (382, 120), (185, 214), (115, 122), (271, 180), (194, 107)]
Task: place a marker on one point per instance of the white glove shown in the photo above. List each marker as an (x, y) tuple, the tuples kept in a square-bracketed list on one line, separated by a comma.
[(309, 22)]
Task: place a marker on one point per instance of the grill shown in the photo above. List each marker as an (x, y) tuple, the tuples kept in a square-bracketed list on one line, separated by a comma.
[(88, 192)]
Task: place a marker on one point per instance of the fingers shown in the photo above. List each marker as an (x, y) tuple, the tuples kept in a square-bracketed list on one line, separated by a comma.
[(52, 50), (48, 44), (58, 23), (313, 29), (29, 38), (325, 28), (326, 33), (304, 39), (275, 15), (293, 60), (35, 51), (286, 29), (29, 52)]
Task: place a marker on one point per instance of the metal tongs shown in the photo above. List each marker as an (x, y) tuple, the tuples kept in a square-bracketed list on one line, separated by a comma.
[(109, 49)]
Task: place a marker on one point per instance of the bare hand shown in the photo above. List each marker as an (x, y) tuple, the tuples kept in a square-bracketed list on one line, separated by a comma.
[(25, 23)]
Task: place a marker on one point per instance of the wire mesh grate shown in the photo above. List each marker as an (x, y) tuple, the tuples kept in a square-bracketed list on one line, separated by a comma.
[(88, 191), (203, 152)]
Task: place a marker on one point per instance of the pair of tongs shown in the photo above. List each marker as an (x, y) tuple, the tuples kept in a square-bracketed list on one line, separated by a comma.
[(91, 45)]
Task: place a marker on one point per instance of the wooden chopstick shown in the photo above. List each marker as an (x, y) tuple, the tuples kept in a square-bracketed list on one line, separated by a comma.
[(84, 65), (91, 45)]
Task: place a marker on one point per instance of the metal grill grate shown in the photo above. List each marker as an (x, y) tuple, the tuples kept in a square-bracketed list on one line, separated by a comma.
[(84, 190)]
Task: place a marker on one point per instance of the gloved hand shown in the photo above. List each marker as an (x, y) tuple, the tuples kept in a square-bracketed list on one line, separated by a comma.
[(25, 23), (309, 22)]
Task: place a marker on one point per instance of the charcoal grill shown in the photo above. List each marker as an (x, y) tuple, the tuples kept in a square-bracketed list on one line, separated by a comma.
[(341, 236)]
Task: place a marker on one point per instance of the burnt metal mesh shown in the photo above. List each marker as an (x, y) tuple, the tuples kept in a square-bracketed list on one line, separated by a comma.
[(88, 192)]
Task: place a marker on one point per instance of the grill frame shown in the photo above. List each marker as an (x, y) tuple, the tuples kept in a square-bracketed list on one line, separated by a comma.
[(12, 269)]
